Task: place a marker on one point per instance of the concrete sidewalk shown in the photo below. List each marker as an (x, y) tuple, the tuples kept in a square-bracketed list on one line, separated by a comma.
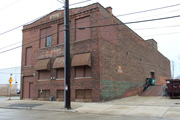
[(133, 106)]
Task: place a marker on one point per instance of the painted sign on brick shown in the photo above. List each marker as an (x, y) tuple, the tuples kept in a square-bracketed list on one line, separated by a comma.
[(119, 69)]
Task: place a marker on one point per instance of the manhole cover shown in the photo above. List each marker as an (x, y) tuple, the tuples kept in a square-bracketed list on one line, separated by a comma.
[(25, 105)]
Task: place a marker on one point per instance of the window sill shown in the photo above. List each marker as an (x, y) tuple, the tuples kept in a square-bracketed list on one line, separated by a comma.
[(44, 80), (82, 40), (62, 44), (77, 78), (44, 48), (60, 79), (28, 66)]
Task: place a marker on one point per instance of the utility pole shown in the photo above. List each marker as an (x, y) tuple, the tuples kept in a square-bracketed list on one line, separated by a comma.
[(67, 61)]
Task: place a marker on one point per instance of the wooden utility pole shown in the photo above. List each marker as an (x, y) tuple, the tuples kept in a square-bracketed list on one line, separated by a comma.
[(67, 63)]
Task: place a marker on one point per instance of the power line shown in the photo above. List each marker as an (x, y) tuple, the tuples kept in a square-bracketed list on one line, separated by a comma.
[(83, 2), (8, 73), (100, 26), (9, 5), (148, 10), (38, 18), (61, 1), (10, 45), (148, 20), (162, 34), (159, 14), (79, 2), (157, 27)]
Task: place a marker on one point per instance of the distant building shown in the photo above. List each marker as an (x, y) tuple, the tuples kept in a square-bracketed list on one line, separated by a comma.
[(107, 60), (5, 74)]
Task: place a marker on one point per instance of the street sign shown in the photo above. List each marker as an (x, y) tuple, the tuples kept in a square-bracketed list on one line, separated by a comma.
[(10, 80), (10, 85)]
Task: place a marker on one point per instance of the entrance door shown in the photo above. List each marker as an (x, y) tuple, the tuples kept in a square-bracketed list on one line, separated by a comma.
[(153, 75), (28, 87)]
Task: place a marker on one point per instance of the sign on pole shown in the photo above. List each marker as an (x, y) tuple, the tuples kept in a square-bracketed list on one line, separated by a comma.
[(10, 80)]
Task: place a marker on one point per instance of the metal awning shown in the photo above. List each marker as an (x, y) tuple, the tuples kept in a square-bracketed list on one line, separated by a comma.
[(59, 63), (42, 65), (81, 60)]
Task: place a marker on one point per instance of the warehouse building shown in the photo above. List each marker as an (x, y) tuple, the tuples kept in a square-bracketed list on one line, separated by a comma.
[(108, 59)]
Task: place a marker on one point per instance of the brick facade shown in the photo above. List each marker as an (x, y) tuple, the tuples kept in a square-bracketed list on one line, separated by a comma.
[(110, 47)]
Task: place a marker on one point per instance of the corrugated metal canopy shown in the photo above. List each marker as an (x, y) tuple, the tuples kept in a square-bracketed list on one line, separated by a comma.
[(59, 63), (42, 65), (82, 59)]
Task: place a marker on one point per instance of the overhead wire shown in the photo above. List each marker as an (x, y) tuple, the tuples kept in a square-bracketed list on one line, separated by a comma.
[(104, 26), (162, 34), (111, 31), (80, 3), (148, 10), (9, 5), (117, 24), (39, 18)]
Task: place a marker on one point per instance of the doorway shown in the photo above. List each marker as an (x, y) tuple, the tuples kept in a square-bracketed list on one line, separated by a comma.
[(28, 87), (152, 75)]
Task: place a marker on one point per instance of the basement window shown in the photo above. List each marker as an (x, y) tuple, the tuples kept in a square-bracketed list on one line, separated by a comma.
[(44, 94)]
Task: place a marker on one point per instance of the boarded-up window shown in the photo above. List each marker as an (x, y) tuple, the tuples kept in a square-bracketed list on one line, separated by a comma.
[(79, 71), (45, 37), (44, 93), (28, 56), (60, 73), (87, 71), (61, 34), (82, 34), (84, 94), (83, 71), (44, 74), (60, 94)]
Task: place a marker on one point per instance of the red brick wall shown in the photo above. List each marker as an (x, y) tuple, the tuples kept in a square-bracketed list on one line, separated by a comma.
[(31, 33), (109, 47), (125, 48)]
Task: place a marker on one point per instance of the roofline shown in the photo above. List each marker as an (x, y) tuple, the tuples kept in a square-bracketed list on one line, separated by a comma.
[(62, 17)]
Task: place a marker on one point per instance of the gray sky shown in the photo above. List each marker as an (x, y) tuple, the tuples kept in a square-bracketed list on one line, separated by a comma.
[(14, 13)]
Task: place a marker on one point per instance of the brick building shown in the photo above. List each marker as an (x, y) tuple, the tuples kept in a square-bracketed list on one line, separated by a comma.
[(106, 62)]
